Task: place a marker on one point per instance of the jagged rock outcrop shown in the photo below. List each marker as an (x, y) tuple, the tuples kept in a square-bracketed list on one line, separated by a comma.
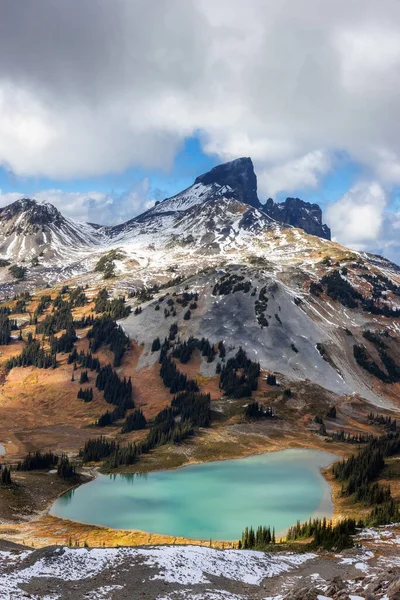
[(299, 214), (239, 175)]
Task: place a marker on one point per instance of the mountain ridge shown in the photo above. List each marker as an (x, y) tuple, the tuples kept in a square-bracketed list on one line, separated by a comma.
[(234, 180)]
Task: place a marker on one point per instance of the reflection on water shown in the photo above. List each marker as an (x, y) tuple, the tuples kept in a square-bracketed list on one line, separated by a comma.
[(212, 500), (67, 497), (129, 477)]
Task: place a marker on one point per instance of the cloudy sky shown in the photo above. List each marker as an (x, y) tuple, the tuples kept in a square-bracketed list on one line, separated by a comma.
[(107, 106)]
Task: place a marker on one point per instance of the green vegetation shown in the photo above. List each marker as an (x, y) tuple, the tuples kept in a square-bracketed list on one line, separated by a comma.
[(365, 362), (18, 272), (38, 461), (387, 422), (134, 422), (254, 410), (239, 377), (33, 354), (106, 263), (338, 288), (6, 326), (85, 395), (106, 331), (358, 475), (5, 476), (97, 449), (229, 284), (56, 321), (87, 361)]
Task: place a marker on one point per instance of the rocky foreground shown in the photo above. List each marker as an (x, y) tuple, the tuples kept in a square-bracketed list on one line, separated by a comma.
[(371, 570)]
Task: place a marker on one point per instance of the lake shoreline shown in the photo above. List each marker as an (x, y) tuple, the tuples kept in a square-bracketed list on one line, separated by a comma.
[(302, 471), (42, 529)]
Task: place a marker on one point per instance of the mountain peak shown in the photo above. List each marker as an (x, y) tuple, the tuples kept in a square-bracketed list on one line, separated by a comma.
[(239, 175), (298, 213), (33, 212)]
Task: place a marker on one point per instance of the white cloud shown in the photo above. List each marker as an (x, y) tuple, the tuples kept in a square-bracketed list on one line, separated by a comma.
[(302, 172), (356, 219), (126, 83), (361, 220), (94, 207)]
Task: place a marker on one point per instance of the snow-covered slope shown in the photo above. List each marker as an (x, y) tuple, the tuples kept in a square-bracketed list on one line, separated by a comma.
[(201, 573), (30, 229)]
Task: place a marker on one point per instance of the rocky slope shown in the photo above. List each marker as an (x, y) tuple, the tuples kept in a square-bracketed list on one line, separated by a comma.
[(201, 573), (29, 229), (217, 228)]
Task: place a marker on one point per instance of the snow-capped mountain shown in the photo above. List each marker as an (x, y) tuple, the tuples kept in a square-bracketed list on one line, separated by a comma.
[(219, 209), (30, 229)]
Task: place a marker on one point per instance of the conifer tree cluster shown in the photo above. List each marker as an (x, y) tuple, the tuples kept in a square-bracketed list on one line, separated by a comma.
[(65, 469), (231, 283), (325, 535), (156, 345), (77, 297), (184, 350), (85, 394), (84, 377), (19, 306), (100, 301), (134, 422), (83, 322), (6, 326), (127, 455), (173, 331), (65, 342), (60, 319), (193, 407), (109, 417), (117, 392), (97, 449), (60, 303), (362, 358), (38, 461), (254, 410), (331, 414), (5, 476), (239, 377), (377, 419), (106, 331), (359, 472), (349, 438), (187, 297), (174, 379), (33, 354), (85, 360), (43, 305), (260, 539), (116, 308), (338, 288)]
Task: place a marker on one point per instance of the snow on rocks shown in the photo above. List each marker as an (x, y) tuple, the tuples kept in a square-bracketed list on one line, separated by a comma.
[(192, 564)]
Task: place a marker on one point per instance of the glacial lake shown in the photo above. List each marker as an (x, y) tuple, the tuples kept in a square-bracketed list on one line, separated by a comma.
[(214, 500)]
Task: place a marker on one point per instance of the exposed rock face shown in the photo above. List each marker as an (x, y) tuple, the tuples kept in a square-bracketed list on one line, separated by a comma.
[(28, 216), (238, 175), (300, 214), (29, 229)]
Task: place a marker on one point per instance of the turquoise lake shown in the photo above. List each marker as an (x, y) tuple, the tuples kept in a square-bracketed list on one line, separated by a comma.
[(212, 500)]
